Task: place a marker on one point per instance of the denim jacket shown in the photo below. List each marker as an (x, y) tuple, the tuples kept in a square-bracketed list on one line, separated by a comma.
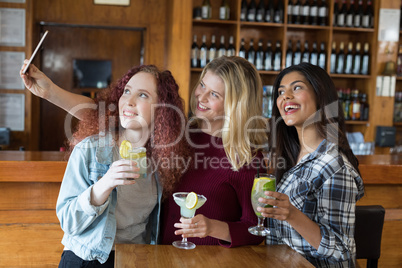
[(89, 231)]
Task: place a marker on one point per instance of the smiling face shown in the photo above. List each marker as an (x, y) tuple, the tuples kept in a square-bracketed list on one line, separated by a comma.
[(135, 105), (210, 97), (297, 100)]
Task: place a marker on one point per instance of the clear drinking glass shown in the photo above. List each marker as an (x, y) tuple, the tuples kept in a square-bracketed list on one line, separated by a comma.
[(180, 199), (262, 182)]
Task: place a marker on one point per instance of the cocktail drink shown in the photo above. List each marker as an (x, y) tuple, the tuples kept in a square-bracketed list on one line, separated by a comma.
[(262, 183), (139, 155), (188, 203)]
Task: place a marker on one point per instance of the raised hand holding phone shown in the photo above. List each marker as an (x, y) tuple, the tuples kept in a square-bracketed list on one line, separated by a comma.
[(35, 52)]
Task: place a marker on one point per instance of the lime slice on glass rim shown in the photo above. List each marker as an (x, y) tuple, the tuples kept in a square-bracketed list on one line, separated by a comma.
[(125, 147), (191, 200)]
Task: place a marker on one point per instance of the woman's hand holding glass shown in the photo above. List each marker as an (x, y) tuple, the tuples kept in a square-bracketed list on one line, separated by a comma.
[(281, 209), (198, 226)]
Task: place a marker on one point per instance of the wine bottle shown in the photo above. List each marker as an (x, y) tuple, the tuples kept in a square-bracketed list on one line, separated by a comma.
[(364, 107), (242, 50), (350, 14), (314, 54), (340, 21), (251, 52), (367, 19), (322, 13), (224, 10), (268, 57), (306, 53), (305, 13), (346, 104), (290, 11), (336, 12), (243, 10), (357, 20), (222, 48), (212, 49), (297, 54), (322, 56), (231, 51), (365, 60), (278, 15), (349, 59), (251, 11), (278, 57), (289, 54), (314, 13), (260, 14), (399, 62), (203, 52), (195, 51), (270, 12), (354, 110), (357, 59), (333, 58), (296, 12), (259, 56), (340, 60), (206, 10)]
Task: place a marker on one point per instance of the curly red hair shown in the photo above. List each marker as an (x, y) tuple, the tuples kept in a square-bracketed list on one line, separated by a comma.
[(168, 126)]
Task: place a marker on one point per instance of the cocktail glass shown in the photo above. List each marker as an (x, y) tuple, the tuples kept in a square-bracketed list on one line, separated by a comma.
[(180, 199), (262, 182)]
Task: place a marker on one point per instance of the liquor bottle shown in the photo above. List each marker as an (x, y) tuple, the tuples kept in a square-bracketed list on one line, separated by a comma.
[(322, 13), (259, 56), (289, 54), (290, 11), (195, 51), (242, 50), (357, 20), (261, 12), (206, 10), (212, 49), (297, 54), (397, 107), (333, 58), (203, 52), (243, 10), (270, 12), (314, 55), (222, 48), (322, 56), (349, 59), (357, 59), (277, 57), (224, 10), (354, 110), (251, 11), (365, 60), (296, 12), (399, 62), (346, 104), (341, 98), (305, 13), (314, 13), (340, 20), (336, 12), (350, 14), (364, 107), (251, 52), (231, 51), (306, 53), (268, 57), (340, 60), (367, 20), (278, 14)]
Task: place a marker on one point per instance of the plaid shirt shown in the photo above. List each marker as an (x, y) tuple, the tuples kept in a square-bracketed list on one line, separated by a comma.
[(325, 187)]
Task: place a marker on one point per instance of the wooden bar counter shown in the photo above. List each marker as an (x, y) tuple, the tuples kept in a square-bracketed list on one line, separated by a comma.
[(128, 255), (30, 183)]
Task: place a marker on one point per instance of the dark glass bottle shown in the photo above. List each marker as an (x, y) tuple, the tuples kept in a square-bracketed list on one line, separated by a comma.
[(297, 53), (259, 56), (206, 10), (305, 13), (289, 54), (399, 62), (349, 59), (251, 11), (350, 14), (340, 59), (365, 60), (314, 54), (364, 107), (224, 10), (203, 52), (336, 12), (222, 48), (242, 50), (306, 53), (333, 58), (341, 99), (278, 15), (322, 56), (322, 13), (354, 110), (278, 57), (314, 13), (357, 59), (243, 10), (195, 51), (251, 52), (296, 12), (231, 51), (357, 20), (367, 20), (340, 20), (212, 49), (260, 13), (268, 57), (346, 104), (290, 11), (269, 13)]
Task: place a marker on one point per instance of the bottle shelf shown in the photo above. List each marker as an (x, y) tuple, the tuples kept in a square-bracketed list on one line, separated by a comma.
[(260, 24), (214, 21), (352, 29), (350, 76), (399, 78), (398, 124), (307, 27), (356, 122)]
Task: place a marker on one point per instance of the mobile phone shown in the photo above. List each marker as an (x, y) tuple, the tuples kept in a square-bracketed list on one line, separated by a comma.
[(35, 52)]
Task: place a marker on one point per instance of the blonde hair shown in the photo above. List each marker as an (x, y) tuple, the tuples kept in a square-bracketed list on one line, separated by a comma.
[(244, 128)]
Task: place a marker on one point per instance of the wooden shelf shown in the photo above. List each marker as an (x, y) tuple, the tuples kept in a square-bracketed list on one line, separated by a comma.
[(351, 29), (212, 21), (398, 124), (260, 24), (307, 27), (350, 76), (356, 122)]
